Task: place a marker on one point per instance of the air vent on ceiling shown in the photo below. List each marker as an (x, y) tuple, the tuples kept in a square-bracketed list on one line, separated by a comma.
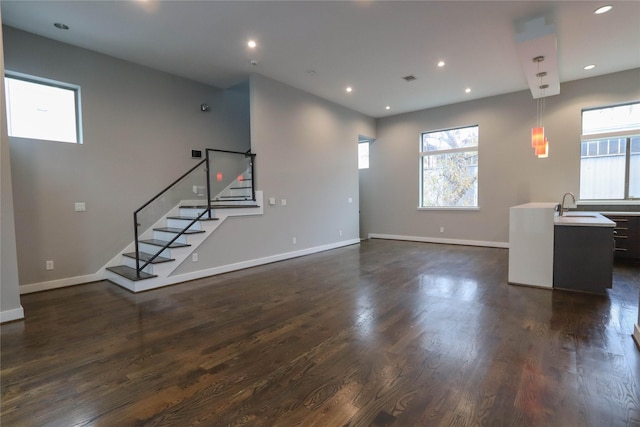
[(409, 78)]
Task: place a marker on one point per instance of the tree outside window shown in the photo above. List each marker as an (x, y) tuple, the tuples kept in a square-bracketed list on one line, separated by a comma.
[(449, 168)]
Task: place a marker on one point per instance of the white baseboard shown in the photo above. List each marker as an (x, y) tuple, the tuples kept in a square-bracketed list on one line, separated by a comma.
[(636, 335), (60, 283), (9, 315), (440, 240)]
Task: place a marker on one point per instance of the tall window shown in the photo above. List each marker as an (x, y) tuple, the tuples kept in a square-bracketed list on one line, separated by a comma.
[(42, 109), (363, 155), (610, 153), (449, 168)]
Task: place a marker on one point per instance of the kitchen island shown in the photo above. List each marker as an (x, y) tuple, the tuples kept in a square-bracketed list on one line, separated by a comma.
[(573, 251), (583, 252)]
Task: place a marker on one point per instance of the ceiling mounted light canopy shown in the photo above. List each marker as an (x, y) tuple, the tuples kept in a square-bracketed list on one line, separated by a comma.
[(537, 37)]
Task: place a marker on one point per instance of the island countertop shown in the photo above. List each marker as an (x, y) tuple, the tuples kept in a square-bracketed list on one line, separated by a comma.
[(583, 219)]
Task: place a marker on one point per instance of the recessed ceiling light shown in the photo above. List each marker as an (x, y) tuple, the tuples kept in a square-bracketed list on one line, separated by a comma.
[(603, 9), (387, 107), (441, 64), (349, 89), (61, 26), (251, 44), (467, 90), (590, 67)]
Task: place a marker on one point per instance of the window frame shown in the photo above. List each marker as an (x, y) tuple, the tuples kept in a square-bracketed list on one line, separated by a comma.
[(627, 135), (55, 84), (424, 154)]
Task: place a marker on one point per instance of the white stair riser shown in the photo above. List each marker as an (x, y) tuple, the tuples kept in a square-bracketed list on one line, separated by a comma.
[(161, 269), (166, 236), (152, 249), (131, 262), (182, 223), (193, 212), (122, 281)]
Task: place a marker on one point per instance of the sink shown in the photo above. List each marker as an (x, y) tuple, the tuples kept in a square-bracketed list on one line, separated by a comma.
[(583, 219)]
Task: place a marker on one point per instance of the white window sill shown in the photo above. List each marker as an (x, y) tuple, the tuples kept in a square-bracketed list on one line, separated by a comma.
[(608, 202), (451, 208)]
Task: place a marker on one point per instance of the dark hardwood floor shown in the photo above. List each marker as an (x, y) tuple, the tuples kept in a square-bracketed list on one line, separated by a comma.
[(384, 333)]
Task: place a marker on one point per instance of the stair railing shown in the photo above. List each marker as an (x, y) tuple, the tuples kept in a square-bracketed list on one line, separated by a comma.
[(224, 163)]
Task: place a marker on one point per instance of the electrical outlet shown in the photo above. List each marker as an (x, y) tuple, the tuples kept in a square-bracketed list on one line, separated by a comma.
[(194, 257), (80, 207), (350, 200), (48, 265), (272, 201), (442, 229), (294, 240), (283, 202)]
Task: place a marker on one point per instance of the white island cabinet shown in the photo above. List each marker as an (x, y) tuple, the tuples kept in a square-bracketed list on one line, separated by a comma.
[(531, 229)]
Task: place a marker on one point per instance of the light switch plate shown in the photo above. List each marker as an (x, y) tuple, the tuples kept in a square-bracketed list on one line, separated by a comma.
[(272, 201), (283, 202), (80, 207)]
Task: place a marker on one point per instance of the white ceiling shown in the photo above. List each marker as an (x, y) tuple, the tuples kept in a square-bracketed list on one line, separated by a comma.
[(369, 45)]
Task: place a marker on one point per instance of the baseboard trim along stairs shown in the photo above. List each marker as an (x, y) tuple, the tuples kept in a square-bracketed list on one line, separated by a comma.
[(122, 269)]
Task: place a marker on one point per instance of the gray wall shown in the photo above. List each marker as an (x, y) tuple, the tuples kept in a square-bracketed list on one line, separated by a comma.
[(9, 291), (139, 126), (307, 154), (509, 172)]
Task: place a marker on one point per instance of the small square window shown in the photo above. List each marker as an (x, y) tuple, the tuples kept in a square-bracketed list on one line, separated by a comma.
[(40, 109)]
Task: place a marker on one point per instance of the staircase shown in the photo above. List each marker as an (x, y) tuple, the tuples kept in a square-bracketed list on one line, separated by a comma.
[(149, 261), (158, 272)]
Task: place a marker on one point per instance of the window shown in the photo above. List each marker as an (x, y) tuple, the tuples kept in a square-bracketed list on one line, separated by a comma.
[(449, 168), (42, 109), (610, 153), (363, 155)]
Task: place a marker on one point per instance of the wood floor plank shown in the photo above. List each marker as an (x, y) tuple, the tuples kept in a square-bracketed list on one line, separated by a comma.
[(383, 333)]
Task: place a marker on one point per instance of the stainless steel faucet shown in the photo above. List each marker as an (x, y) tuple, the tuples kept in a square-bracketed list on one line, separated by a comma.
[(562, 210)]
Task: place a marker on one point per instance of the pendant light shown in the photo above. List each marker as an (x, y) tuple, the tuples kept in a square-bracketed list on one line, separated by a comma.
[(539, 142)]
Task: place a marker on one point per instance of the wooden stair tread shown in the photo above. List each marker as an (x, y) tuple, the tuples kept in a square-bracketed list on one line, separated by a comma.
[(178, 230), (191, 218), (158, 242), (144, 257), (130, 273)]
